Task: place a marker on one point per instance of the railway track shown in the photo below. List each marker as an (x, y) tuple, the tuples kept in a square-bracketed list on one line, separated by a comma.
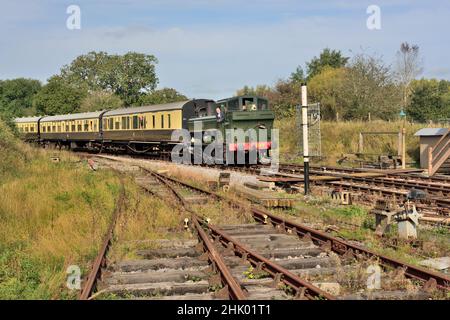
[(393, 185), (367, 189), (270, 258)]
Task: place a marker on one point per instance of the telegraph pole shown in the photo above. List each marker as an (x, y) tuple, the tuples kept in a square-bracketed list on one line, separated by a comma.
[(305, 138)]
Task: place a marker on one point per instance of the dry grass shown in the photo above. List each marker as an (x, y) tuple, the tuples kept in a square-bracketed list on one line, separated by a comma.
[(146, 218), (52, 215), (343, 137), (220, 213)]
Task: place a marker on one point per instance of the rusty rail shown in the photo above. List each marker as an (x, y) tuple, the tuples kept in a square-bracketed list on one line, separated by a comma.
[(301, 287), (100, 260), (341, 247), (229, 282)]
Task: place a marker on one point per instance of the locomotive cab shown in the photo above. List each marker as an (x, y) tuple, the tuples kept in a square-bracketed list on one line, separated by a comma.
[(249, 114)]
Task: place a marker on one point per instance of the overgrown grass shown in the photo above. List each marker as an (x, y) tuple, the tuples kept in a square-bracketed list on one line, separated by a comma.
[(52, 215), (340, 138), (146, 218)]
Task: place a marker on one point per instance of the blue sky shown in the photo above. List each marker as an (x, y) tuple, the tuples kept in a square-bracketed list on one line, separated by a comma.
[(209, 49)]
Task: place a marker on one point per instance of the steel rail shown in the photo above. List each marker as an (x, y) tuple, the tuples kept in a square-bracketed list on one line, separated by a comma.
[(100, 260), (228, 281), (302, 287), (434, 187), (341, 247)]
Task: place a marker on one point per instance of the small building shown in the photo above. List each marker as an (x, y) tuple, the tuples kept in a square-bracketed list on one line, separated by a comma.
[(428, 138)]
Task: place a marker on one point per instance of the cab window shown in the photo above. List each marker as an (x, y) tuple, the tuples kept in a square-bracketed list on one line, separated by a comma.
[(262, 104), (233, 105)]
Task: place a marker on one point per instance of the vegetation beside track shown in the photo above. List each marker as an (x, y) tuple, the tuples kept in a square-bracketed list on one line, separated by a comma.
[(357, 224), (52, 215), (147, 218), (340, 138)]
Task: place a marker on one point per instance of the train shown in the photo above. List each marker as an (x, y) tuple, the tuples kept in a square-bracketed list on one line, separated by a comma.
[(150, 129)]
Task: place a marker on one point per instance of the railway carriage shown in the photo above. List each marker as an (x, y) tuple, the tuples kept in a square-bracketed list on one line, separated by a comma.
[(28, 128), (148, 129), (72, 130)]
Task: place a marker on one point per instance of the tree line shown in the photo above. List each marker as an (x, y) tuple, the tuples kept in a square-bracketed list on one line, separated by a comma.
[(362, 87), (349, 88), (91, 82)]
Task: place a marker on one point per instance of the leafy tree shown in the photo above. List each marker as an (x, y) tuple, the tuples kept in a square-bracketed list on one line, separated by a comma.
[(298, 75), (259, 90), (100, 100), (370, 89), (328, 88), (430, 100), (89, 70), (129, 76), (58, 97), (285, 97), (327, 58), (16, 96), (165, 95)]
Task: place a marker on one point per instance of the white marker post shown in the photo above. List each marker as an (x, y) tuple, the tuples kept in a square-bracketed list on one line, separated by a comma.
[(305, 137)]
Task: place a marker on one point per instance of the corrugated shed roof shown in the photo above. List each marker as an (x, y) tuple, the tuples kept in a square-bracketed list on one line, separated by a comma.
[(431, 132)]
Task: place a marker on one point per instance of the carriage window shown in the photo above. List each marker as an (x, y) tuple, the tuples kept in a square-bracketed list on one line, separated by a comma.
[(54, 129), (111, 123), (79, 127), (153, 121), (43, 129), (26, 129), (117, 124), (124, 122), (95, 125), (135, 122), (142, 122), (162, 121), (169, 123), (86, 125), (59, 128), (73, 128), (32, 129), (67, 128), (49, 129)]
